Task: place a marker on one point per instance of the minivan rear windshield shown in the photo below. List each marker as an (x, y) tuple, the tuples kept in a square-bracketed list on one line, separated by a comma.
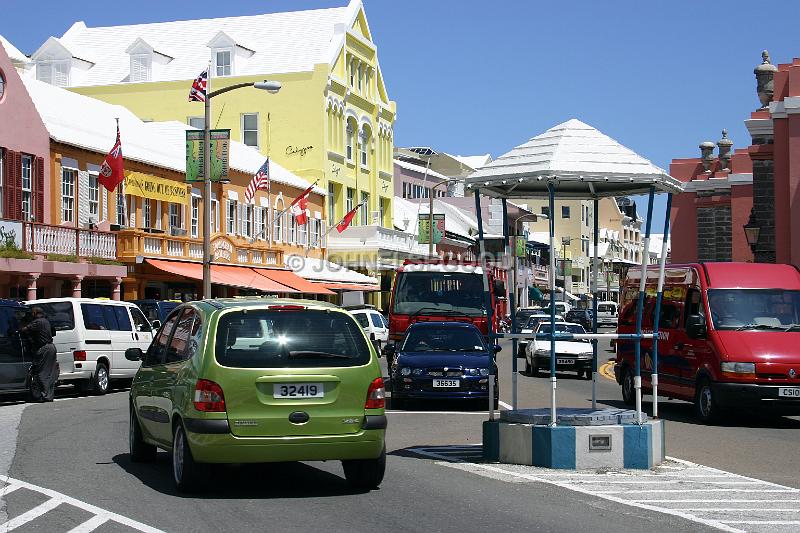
[(289, 339), (59, 314)]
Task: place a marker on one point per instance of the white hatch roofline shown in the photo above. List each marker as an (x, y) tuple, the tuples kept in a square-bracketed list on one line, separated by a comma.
[(446, 268)]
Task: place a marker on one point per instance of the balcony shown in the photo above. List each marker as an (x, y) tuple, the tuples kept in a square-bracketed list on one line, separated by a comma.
[(44, 239), (135, 243)]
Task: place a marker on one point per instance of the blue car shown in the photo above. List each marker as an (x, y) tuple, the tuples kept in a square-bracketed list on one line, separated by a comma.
[(442, 361)]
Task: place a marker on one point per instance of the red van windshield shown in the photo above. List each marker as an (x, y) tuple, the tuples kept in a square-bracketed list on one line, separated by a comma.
[(754, 309)]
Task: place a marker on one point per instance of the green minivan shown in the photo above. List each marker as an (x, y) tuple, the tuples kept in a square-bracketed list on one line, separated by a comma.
[(256, 381)]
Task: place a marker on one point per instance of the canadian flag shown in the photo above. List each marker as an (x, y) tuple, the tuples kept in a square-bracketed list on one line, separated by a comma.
[(299, 206)]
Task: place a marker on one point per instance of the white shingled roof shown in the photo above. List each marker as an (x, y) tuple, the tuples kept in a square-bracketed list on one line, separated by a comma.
[(419, 168), (579, 159), (281, 42), (456, 220), (13, 52), (314, 269), (85, 122), (473, 161)]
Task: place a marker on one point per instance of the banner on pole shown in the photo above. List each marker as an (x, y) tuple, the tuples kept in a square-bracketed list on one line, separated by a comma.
[(521, 248), (425, 229), (220, 145)]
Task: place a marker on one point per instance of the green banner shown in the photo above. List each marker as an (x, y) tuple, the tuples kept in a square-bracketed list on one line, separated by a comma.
[(425, 228), (521, 248), (220, 144)]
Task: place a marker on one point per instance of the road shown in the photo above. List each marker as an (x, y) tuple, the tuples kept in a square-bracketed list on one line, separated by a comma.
[(78, 449)]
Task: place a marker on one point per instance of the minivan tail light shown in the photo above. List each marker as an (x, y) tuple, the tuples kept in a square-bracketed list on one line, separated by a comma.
[(208, 397), (376, 395), (79, 355)]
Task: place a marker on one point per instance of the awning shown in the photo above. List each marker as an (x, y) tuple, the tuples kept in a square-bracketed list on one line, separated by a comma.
[(350, 287), (290, 279), (232, 276)]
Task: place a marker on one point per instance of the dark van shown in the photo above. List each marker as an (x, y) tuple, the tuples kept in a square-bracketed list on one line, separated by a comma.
[(14, 357), (157, 311)]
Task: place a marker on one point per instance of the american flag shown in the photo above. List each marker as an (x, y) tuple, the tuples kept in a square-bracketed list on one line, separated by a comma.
[(260, 182), (198, 91)]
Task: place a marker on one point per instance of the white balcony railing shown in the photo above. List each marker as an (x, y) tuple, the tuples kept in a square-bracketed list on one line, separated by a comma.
[(62, 240)]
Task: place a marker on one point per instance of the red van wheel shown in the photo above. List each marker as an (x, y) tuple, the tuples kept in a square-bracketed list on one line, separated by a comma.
[(628, 390), (705, 405)]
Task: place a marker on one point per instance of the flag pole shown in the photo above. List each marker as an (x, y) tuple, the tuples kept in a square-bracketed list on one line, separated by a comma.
[(125, 214)]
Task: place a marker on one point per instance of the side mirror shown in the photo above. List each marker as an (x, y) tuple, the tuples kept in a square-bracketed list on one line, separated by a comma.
[(497, 348), (389, 348), (696, 326), (156, 324), (134, 354)]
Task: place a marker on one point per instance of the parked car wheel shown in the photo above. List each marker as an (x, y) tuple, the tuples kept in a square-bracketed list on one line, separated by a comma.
[(528, 367), (185, 472), (587, 374), (705, 404), (628, 390), (100, 379), (141, 452), (365, 474)]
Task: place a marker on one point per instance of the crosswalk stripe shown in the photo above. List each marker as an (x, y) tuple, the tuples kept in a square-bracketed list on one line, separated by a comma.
[(33, 514), (90, 525)]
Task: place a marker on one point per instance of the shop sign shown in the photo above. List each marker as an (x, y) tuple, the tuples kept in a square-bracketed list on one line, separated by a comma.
[(220, 145), (222, 249), (155, 188), (425, 228), (298, 150)]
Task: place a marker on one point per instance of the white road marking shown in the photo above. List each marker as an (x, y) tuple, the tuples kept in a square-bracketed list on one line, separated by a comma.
[(715, 507), (56, 499), (90, 525), (504, 405)]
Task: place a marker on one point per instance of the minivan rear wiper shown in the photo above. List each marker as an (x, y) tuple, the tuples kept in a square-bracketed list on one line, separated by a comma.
[(310, 354)]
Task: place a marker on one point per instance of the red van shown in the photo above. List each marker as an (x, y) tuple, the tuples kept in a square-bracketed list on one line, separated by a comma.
[(729, 336)]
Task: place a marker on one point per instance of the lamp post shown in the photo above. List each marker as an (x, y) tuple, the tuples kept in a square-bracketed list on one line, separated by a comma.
[(269, 86), (430, 210), (565, 241), (752, 230)]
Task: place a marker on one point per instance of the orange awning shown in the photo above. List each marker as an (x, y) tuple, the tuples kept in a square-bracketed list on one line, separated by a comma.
[(350, 287), (289, 278), (233, 276)]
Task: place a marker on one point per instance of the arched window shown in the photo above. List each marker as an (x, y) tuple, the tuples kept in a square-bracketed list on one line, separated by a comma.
[(351, 130), (365, 138)]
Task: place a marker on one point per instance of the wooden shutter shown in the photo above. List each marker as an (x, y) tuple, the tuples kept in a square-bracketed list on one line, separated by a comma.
[(13, 208), (38, 190)]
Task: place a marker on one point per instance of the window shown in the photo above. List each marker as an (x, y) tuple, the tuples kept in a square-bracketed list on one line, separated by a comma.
[(123, 320), (350, 134), (292, 230), (377, 320), (140, 321), (158, 349), (214, 216), (331, 205), (60, 315), (365, 209), (93, 317), (247, 220), (564, 211), (27, 174), (350, 195), (2, 85), (94, 197), (231, 217), (315, 231), (2, 179), (546, 211), (352, 72), (174, 216), (53, 72), (360, 76), (302, 233), (364, 142), (382, 208), (120, 207), (262, 226), (147, 213), (195, 216), (68, 194), (179, 345), (223, 62), (250, 129), (141, 65), (197, 122)]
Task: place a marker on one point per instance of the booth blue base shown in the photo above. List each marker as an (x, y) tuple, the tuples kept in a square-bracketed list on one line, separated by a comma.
[(575, 447)]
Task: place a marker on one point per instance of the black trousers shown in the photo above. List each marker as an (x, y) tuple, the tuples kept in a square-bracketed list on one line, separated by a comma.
[(44, 374)]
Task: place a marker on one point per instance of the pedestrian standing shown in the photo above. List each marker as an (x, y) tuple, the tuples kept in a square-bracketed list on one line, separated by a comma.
[(44, 370)]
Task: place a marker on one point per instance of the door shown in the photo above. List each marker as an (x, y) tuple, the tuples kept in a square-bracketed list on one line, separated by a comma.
[(142, 328), (690, 351), (13, 365), (97, 337), (61, 316), (148, 406), (670, 358), (181, 346), (120, 330)]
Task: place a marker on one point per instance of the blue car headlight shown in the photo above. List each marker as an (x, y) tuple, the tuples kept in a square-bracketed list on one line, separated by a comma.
[(417, 371), (484, 371), (405, 371)]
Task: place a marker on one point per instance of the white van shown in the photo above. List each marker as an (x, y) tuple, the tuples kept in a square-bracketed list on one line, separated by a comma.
[(607, 313), (371, 321), (91, 339)]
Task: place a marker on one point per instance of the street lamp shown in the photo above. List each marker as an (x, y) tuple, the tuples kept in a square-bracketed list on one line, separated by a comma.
[(565, 241), (266, 85), (752, 230), (430, 211)]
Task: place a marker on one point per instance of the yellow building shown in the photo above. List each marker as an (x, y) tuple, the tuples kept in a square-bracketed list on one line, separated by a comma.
[(332, 121)]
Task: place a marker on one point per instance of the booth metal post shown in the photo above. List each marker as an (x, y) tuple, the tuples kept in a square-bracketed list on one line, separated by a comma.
[(659, 296), (637, 379), (595, 262), (511, 281), (552, 194), (487, 297)]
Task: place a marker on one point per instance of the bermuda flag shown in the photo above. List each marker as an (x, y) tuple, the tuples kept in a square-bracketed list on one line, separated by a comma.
[(112, 171), (198, 91), (260, 182), (298, 207), (348, 218)]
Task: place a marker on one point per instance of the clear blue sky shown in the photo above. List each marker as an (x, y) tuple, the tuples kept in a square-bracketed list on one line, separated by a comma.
[(473, 77)]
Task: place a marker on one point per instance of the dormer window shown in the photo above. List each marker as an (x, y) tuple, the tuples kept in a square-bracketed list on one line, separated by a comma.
[(53, 72), (223, 62), (141, 67)]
